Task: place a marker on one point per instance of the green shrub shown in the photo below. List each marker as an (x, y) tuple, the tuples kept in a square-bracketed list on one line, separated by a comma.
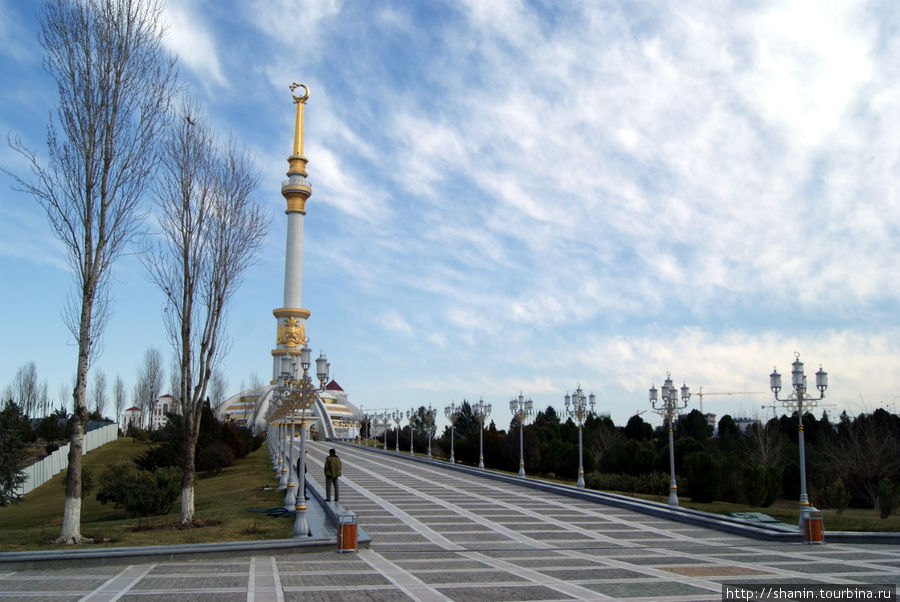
[(140, 492), (762, 485), (251, 441), (887, 497), (51, 428), (214, 457), (702, 476), (230, 437), (136, 434), (838, 497), (654, 483), (608, 481), (159, 456)]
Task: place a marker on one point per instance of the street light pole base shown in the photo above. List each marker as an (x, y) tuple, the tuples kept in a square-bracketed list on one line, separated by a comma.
[(580, 482), (290, 496), (301, 527), (673, 497)]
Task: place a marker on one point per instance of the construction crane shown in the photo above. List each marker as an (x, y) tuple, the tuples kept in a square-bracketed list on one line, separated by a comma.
[(701, 394)]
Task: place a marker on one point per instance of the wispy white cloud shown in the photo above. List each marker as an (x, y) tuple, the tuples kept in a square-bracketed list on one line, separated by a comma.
[(188, 37), (294, 26), (531, 194)]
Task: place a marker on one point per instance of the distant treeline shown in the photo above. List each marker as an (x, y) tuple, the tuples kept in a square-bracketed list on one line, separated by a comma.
[(855, 462)]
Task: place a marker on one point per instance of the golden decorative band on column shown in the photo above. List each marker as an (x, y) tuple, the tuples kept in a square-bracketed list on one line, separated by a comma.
[(291, 332), (293, 312), (284, 351), (297, 165), (295, 204)]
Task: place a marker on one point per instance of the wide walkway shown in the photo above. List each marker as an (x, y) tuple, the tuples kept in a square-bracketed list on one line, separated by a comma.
[(438, 534)]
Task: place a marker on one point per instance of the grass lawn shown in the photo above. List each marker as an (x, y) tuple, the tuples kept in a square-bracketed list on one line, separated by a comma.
[(221, 501), (788, 511)]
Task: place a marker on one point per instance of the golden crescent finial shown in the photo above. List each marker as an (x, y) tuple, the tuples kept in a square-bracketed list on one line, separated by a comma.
[(301, 99)]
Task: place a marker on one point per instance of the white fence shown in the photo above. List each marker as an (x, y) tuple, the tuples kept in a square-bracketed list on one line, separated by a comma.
[(40, 472)]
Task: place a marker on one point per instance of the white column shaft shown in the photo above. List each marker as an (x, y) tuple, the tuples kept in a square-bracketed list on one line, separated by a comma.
[(293, 260)]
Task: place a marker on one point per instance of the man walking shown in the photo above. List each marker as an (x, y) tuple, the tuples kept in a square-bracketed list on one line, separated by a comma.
[(332, 472)]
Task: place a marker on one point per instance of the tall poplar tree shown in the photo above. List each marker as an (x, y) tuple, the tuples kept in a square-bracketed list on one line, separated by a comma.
[(212, 230), (114, 83)]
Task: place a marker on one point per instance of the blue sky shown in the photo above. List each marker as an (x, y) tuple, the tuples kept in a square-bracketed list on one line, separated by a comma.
[(524, 196)]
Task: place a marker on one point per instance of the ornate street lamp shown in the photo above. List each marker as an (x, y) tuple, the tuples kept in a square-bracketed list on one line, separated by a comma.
[(579, 411), (286, 404), (367, 418), (521, 409), (292, 391), (386, 421), (452, 413), (359, 417), (376, 420), (669, 407), (429, 425), (481, 410), (398, 418), (411, 416), (798, 401)]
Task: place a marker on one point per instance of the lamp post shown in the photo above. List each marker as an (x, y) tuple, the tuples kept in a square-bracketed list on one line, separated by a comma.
[(358, 417), (386, 420), (669, 407), (452, 413), (411, 416), (579, 411), (521, 410), (398, 418), (481, 410), (796, 401), (376, 420), (286, 403), (282, 463), (279, 464), (292, 391), (429, 426)]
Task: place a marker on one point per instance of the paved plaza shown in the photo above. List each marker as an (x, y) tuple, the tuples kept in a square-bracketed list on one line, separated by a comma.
[(441, 534)]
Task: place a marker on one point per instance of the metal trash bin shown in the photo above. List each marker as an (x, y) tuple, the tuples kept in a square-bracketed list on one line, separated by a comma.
[(812, 526), (346, 532)]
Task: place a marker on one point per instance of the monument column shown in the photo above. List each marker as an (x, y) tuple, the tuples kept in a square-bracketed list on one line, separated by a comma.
[(291, 328)]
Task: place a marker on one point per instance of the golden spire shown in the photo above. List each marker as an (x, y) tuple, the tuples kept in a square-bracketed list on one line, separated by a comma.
[(299, 101)]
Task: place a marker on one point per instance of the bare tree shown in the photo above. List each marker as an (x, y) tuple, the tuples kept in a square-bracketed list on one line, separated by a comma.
[(255, 382), (25, 389), (175, 383), (119, 397), (211, 233), (114, 82), (867, 451), (99, 391), (217, 386), (764, 444), (149, 382), (43, 399)]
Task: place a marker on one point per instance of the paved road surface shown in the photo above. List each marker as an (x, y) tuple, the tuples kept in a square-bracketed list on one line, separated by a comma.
[(438, 534)]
